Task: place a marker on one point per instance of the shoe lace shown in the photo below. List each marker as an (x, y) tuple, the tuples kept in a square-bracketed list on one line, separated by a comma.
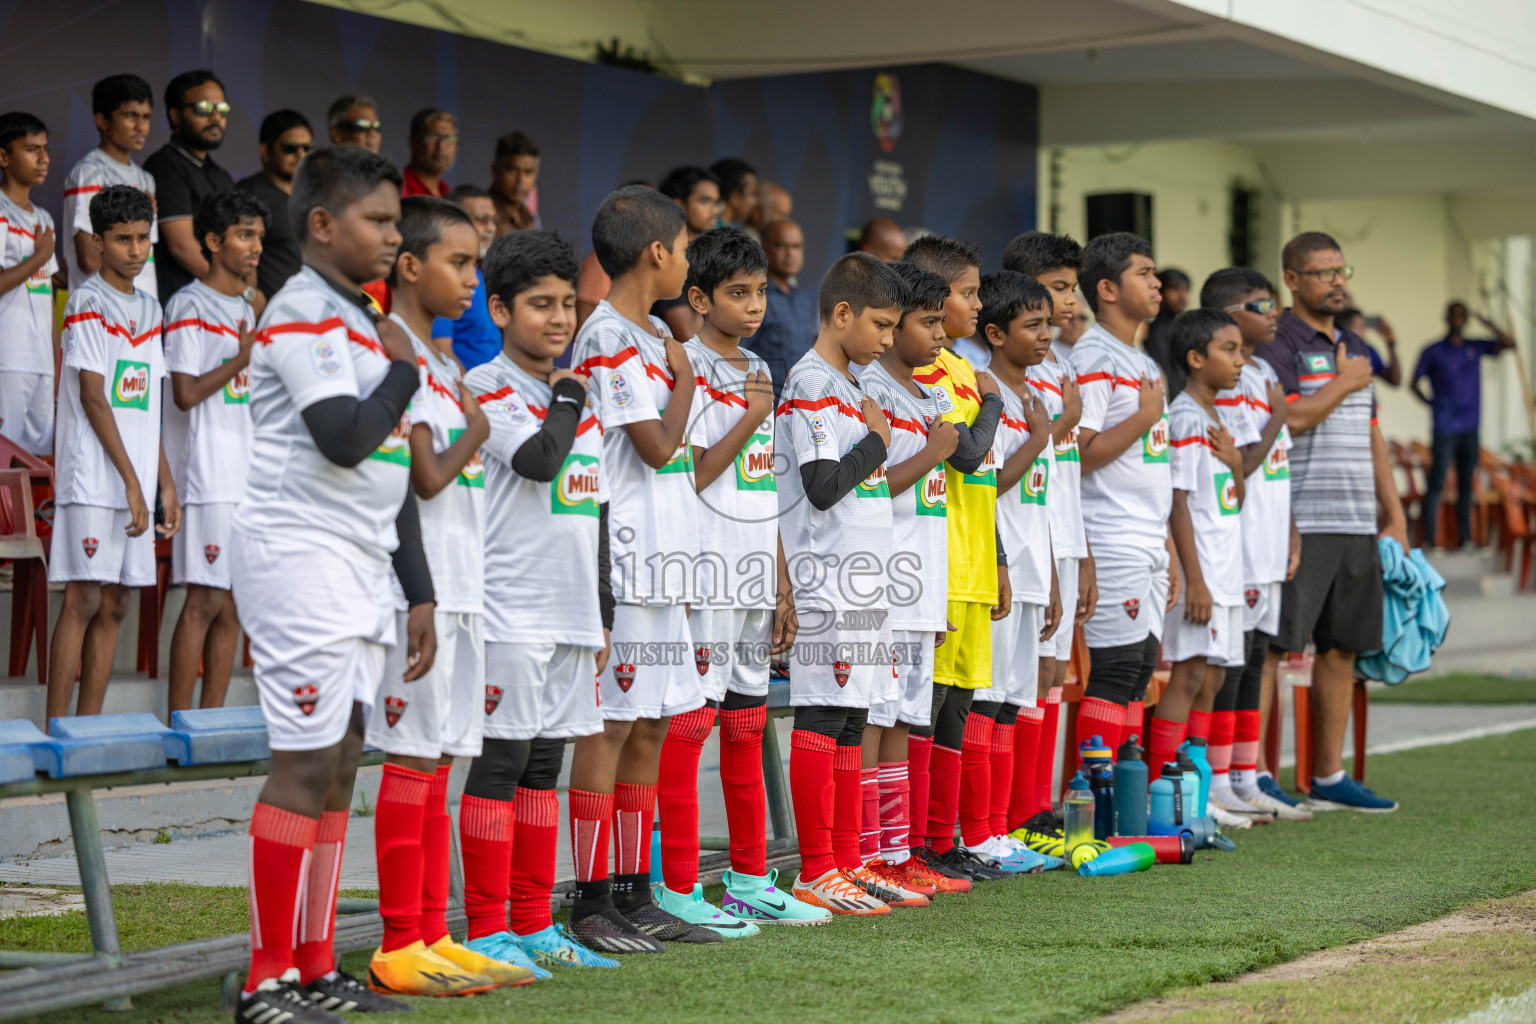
[(842, 886)]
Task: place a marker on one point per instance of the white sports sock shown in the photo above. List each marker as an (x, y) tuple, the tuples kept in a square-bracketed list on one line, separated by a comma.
[(1244, 779), (1329, 780), (897, 856)]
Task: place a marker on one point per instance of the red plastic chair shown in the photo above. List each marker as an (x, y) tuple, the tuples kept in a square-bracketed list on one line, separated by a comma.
[(152, 611), (28, 554)]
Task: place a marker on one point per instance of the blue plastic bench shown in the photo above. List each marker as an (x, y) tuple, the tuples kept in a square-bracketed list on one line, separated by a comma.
[(217, 736), (94, 744)]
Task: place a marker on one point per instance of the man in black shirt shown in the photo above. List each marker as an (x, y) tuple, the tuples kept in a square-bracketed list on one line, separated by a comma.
[(1159, 343), (185, 174), (285, 138)]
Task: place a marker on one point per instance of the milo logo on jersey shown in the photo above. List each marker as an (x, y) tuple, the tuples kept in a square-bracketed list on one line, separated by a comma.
[(681, 460), (473, 473), (1066, 448), (130, 385), (754, 465), (575, 490), (932, 495), (1277, 464), (1032, 489), (397, 446), (1154, 443), (986, 473), (1226, 494), (874, 485), (41, 282), (237, 390)]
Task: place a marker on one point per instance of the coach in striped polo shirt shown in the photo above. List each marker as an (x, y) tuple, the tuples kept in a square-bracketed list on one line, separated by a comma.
[(1342, 495)]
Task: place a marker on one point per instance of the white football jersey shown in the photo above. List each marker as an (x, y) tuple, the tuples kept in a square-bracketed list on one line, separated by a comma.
[(1023, 514), (94, 172), (1213, 505), (208, 447), (26, 311), (1267, 503), (317, 342), (117, 336), (1065, 499)]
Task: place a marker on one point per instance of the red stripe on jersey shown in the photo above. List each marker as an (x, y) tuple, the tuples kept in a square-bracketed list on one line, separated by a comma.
[(659, 374), (1043, 385), (896, 421), (499, 393), (588, 423), (931, 378), (611, 362), (1230, 401), (1291, 398), (111, 328), (1185, 441), (369, 343), (1009, 421), (831, 401), (18, 230), (964, 391), (720, 396), (1316, 376), (176, 325), (1094, 378), (1124, 382), (266, 334), (82, 189), (435, 386), (1254, 403)]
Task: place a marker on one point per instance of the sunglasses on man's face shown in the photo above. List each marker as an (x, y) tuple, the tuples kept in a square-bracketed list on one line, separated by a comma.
[(361, 125), (207, 108), (1263, 307), (296, 148)]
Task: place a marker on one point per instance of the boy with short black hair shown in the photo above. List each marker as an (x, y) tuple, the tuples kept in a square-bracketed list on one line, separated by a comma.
[(835, 512), (209, 331), (122, 106), (548, 603), (697, 194), (27, 265), (109, 454), (642, 385)]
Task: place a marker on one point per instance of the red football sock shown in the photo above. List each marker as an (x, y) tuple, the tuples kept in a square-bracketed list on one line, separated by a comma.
[(976, 779), (1002, 777), (398, 847), (943, 797), (1134, 712), (919, 781), (811, 787), (1045, 768), (1219, 746), (1245, 740), (531, 878), (280, 846), (634, 809), (1023, 796), (847, 807), (869, 801), (895, 816), (590, 816), (315, 956), (485, 841), (1101, 718), (1198, 726), (677, 797), (1163, 745), (741, 779), (435, 847)]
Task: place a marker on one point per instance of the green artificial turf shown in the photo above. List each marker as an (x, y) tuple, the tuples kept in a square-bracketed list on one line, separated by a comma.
[(1459, 688), (1055, 947)]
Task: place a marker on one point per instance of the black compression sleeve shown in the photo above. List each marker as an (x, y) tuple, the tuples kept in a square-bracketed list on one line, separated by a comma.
[(347, 429), (1002, 554), (826, 482), (541, 456), (976, 439), (604, 569), (409, 560)]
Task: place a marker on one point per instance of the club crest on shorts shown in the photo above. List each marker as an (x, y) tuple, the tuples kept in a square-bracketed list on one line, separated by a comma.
[(306, 697), (1133, 607), (394, 707), (1213, 632), (701, 659), (90, 545), (211, 552), (624, 675), (1251, 595), (492, 698), (840, 672)]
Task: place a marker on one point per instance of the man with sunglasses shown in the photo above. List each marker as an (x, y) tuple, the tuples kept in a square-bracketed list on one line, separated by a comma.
[(1340, 477), (285, 138), (434, 149), (185, 174), (355, 120)]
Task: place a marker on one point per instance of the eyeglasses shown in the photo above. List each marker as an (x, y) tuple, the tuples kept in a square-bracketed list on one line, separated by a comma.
[(296, 148), (360, 126), (1263, 307), (207, 108), (434, 138), (1330, 273)]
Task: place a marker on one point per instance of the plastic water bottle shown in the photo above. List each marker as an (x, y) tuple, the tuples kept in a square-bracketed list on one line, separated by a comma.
[(1101, 780), (1193, 808), (1130, 782), (1168, 812), (1196, 748), (1077, 816), (1122, 861)]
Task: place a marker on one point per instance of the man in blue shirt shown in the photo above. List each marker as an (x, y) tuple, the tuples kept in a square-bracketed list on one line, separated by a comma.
[(792, 318), (475, 337), (1452, 367)]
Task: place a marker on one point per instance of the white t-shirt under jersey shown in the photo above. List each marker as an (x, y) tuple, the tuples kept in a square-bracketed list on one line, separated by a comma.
[(26, 311), (1064, 500), (94, 172), (1267, 503), (208, 447), (1213, 505), (1023, 515)]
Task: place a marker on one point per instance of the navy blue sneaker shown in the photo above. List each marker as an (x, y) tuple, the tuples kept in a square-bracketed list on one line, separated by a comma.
[(1270, 788), (1349, 795)]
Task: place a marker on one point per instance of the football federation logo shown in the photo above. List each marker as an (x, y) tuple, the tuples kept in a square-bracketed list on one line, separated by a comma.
[(306, 697), (624, 675), (211, 552), (1133, 607), (394, 707), (619, 387), (701, 659), (886, 118), (492, 697), (89, 544), (1251, 595), (840, 671)]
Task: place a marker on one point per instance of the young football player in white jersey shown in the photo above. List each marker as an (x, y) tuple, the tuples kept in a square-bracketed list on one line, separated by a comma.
[(548, 604), (209, 331), (109, 460), (834, 515), (921, 439), (642, 387), (423, 724), (1271, 547), (1203, 635), (1016, 321), (122, 106), (326, 511), (27, 265)]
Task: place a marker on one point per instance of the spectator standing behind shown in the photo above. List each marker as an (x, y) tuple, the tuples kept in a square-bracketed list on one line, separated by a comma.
[(773, 203), (738, 190), (792, 318), (1339, 478), (1389, 372), (285, 138), (883, 239), (475, 337), (185, 175), (1453, 368), (592, 286), (355, 119), (698, 192), (514, 185), (434, 148), (122, 106), (1159, 340), (27, 266)]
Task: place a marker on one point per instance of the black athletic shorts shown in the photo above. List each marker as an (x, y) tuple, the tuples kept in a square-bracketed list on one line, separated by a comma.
[(1335, 599)]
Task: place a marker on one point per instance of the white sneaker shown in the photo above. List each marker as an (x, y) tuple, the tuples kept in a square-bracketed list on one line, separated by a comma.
[(1227, 800), (1226, 819), (1269, 805)]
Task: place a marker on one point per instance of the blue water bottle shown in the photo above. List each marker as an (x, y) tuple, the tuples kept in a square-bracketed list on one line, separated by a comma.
[(1196, 749), (1168, 814), (1096, 765), (1130, 782)]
